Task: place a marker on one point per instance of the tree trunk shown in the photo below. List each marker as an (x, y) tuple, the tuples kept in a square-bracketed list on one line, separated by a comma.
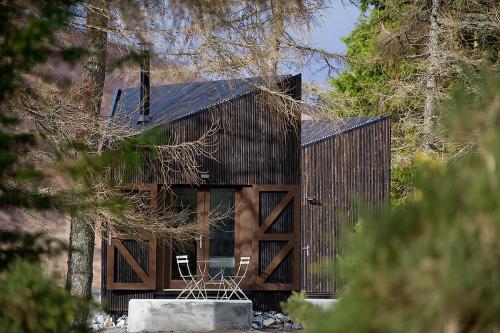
[(434, 60), (94, 69), (82, 237), (277, 32), (81, 255)]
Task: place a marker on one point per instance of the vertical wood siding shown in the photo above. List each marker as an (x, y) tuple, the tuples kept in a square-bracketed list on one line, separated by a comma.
[(353, 165), (283, 224), (116, 300), (267, 252), (268, 300), (123, 272), (252, 146)]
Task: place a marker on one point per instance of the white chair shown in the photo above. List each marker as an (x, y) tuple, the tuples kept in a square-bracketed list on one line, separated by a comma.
[(232, 283), (192, 285)]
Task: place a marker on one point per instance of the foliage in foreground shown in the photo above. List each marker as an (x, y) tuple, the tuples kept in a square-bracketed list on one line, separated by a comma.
[(31, 302), (29, 247), (27, 39), (433, 263)]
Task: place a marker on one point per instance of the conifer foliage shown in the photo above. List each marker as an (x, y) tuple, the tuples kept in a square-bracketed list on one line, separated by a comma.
[(403, 57), (30, 301), (431, 264)]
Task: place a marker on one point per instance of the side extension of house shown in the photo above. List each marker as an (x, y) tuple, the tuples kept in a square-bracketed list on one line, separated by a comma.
[(342, 162)]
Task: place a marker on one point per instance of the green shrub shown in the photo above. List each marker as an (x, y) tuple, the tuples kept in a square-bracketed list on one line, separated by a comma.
[(31, 302), (432, 264)]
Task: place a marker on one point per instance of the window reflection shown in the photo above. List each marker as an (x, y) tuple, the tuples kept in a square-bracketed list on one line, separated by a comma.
[(222, 201), (184, 198)]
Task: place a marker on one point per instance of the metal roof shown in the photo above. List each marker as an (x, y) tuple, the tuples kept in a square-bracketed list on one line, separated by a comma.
[(171, 102), (315, 131)]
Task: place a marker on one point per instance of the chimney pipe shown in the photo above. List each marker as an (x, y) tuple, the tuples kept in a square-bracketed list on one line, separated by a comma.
[(145, 88)]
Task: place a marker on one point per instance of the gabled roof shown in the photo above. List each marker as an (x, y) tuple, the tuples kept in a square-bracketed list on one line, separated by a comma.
[(315, 131), (171, 102)]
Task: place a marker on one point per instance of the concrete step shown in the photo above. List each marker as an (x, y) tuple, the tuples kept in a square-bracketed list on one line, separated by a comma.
[(160, 315)]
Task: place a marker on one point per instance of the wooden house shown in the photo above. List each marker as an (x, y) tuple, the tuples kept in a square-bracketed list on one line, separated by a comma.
[(257, 165)]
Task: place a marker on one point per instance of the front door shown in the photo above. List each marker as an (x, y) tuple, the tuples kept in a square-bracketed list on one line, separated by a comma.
[(213, 249)]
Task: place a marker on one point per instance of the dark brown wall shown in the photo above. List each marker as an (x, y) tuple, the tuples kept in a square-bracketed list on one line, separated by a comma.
[(253, 147), (336, 171)]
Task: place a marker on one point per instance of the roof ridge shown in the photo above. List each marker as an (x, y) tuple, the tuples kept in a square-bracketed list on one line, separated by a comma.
[(245, 79)]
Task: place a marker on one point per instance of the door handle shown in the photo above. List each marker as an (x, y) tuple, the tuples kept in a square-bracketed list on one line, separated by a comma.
[(306, 248), (200, 239)]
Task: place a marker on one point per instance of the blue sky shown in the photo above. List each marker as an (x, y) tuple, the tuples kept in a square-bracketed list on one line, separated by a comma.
[(335, 23)]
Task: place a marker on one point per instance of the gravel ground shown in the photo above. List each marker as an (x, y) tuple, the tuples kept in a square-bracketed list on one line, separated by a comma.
[(113, 330), (262, 322), (122, 330)]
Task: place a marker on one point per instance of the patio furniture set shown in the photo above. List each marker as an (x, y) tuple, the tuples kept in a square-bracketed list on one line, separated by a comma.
[(198, 286)]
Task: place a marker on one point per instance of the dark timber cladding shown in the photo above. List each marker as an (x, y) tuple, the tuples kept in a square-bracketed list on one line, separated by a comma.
[(341, 161), (255, 157), (294, 191), (252, 148)]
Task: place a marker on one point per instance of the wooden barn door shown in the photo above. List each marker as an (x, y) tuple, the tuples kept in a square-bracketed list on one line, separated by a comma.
[(131, 261), (276, 242)]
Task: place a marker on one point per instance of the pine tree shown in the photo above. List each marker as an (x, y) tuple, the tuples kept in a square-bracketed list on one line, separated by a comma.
[(432, 264), (82, 234), (403, 56)]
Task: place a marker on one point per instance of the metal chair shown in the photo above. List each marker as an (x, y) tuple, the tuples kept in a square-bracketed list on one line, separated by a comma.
[(233, 282), (192, 285)]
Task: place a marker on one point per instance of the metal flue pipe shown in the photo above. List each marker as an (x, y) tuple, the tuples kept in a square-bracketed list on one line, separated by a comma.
[(145, 88)]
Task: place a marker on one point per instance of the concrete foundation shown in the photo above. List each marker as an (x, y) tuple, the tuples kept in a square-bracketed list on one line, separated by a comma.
[(160, 315), (324, 303)]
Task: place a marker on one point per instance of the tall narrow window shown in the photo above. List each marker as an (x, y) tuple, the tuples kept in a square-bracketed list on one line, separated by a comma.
[(185, 198), (222, 235)]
